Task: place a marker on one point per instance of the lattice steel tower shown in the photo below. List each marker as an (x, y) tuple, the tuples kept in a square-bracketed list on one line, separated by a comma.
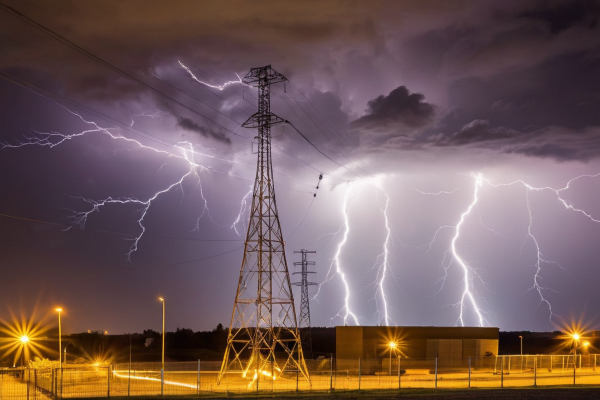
[(263, 340), (304, 300)]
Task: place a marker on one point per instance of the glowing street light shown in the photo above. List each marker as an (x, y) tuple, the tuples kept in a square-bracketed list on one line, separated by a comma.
[(59, 310), (584, 345), (24, 340), (163, 332), (576, 338), (392, 348)]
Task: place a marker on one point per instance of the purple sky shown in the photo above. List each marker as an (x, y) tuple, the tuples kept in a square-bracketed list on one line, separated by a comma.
[(408, 101)]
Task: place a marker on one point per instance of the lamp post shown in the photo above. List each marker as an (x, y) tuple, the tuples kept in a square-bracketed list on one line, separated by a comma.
[(392, 347), (521, 337), (163, 333), (59, 310)]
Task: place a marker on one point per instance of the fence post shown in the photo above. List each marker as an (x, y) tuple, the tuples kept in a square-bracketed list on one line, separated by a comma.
[(297, 376), (53, 382), (469, 372), (198, 382), (502, 373), (359, 373), (574, 369), (535, 371), (331, 372), (594, 362), (436, 359), (28, 382), (108, 381), (162, 381), (495, 365), (35, 384), (61, 382), (399, 372)]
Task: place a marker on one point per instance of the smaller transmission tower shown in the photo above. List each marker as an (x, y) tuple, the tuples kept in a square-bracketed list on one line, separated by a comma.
[(304, 301)]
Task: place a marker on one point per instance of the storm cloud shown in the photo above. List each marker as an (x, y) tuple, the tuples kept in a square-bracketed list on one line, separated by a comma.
[(189, 125), (400, 107)]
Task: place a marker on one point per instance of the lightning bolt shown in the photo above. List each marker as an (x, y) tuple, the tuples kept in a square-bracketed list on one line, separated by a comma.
[(218, 87), (540, 260), (345, 312), (243, 208), (185, 152), (382, 272), (467, 294)]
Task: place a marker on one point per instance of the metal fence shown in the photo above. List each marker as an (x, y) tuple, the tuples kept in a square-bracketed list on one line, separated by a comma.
[(326, 374)]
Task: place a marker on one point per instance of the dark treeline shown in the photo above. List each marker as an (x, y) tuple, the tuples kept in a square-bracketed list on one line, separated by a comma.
[(181, 345), (186, 345)]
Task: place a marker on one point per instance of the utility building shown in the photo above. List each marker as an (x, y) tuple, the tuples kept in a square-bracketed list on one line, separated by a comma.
[(448, 344)]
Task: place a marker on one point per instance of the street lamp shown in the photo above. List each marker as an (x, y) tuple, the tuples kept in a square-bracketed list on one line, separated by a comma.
[(163, 332), (59, 310), (24, 339), (392, 348), (521, 337)]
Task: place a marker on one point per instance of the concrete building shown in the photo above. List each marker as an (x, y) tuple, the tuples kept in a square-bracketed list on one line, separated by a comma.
[(450, 345)]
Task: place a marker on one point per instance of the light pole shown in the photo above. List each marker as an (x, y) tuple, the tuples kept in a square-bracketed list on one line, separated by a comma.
[(163, 333), (59, 310), (392, 347), (521, 337)]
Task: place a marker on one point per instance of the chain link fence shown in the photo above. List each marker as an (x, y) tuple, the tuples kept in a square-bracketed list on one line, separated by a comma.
[(324, 374)]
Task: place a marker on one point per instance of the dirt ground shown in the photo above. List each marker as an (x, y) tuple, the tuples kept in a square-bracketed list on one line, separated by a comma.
[(417, 394)]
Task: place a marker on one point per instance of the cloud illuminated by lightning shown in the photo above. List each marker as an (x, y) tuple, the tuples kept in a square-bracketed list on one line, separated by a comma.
[(184, 152)]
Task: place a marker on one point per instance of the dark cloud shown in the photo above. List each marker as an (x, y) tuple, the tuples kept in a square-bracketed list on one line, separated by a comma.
[(478, 131), (562, 15), (188, 124), (400, 107), (558, 143)]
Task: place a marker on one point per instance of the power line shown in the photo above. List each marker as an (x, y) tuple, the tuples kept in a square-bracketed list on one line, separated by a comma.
[(101, 61), (55, 97), (68, 228), (316, 148)]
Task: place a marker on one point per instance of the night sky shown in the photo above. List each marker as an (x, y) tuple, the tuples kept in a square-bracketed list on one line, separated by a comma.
[(401, 103)]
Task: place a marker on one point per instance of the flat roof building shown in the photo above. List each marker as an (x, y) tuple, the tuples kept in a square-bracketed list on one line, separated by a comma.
[(447, 344)]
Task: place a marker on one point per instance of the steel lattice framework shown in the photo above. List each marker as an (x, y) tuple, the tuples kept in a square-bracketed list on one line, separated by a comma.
[(304, 299), (263, 335)]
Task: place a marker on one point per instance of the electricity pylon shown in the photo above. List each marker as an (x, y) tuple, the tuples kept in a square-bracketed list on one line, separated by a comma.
[(263, 338), (304, 300)]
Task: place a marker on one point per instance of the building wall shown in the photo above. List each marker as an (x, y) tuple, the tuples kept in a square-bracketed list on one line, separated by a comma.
[(447, 343)]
